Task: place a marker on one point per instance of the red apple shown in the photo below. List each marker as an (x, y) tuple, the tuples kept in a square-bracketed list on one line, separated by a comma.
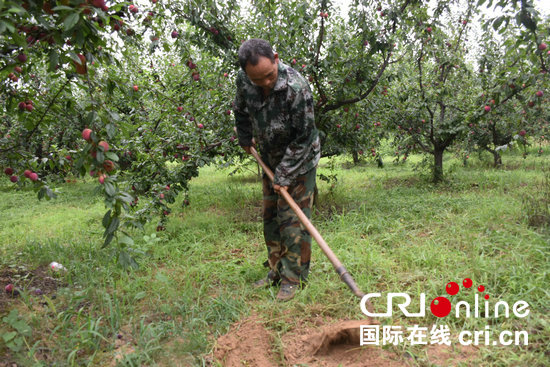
[(27, 173), (196, 76), (133, 8), (87, 134), (101, 178), (8, 171), (22, 106), (33, 176), (180, 108), (29, 107), (539, 93), (161, 196), (542, 46), (9, 288), (104, 145), (22, 57), (175, 34), (487, 108), (522, 133), (136, 88), (228, 112), (429, 29), (200, 126), (18, 69), (225, 75), (108, 165), (98, 3), (14, 179)]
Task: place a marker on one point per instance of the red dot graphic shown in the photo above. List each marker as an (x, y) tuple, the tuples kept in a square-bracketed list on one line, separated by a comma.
[(452, 288), (481, 288), (486, 296), (467, 283), (440, 307)]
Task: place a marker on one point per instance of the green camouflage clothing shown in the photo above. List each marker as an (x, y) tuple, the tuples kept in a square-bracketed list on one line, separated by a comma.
[(288, 243), (282, 123), (284, 128)]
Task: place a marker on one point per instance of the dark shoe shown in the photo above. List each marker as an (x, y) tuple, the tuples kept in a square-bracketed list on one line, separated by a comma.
[(272, 279), (287, 291)]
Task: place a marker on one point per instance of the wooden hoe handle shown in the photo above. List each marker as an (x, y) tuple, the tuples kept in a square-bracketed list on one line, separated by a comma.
[(340, 269)]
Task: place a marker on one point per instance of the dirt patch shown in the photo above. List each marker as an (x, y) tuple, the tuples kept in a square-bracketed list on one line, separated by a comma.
[(322, 342), (37, 282), (246, 344)]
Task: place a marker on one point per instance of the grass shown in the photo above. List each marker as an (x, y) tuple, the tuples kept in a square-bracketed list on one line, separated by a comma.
[(393, 230)]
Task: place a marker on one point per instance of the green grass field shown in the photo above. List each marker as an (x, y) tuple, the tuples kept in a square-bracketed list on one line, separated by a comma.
[(393, 230)]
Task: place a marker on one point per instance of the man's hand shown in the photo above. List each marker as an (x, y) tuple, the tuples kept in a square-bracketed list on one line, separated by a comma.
[(278, 188), (247, 148)]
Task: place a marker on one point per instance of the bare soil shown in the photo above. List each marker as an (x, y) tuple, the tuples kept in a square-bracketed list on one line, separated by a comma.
[(37, 282), (323, 343)]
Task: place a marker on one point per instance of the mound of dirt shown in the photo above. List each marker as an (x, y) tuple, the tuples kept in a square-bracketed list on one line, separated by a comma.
[(335, 344), (246, 344), (321, 343)]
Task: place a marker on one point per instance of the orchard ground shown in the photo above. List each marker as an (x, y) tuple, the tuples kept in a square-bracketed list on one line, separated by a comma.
[(190, 302)]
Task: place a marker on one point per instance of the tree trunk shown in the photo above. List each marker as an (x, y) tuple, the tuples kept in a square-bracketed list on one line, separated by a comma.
[(355, 157), (438, 165), (497, 158)]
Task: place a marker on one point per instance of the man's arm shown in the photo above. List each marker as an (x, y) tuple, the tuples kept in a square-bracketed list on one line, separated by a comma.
[(242, 118)]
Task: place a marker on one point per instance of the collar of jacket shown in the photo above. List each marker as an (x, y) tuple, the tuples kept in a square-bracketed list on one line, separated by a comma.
[(282, 77)]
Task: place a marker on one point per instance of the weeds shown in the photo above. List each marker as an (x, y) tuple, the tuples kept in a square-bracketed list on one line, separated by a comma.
[(391, 229)]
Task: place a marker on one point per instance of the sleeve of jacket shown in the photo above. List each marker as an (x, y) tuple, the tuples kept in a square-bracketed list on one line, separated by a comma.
[(299, 150), (242, 118)]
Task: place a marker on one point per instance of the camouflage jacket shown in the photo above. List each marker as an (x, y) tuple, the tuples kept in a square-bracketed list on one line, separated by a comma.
[(282, 123)]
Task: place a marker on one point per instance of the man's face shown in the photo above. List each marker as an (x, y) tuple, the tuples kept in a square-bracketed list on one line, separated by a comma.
[(263, 74)]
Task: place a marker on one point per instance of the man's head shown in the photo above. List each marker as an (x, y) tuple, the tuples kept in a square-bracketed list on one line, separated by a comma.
[(259, 62)]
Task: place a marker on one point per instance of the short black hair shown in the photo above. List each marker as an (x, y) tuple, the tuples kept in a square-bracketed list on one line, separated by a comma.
[(251, 51)]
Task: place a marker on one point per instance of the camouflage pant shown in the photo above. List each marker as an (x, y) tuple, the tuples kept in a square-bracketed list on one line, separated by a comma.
[(288, 243)]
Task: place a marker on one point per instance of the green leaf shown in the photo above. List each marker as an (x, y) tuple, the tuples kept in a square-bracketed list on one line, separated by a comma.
[(112, 156), (9, 336), (108, 240), (62, 7), (113, 226), (125, 239), (110, 189), (89, 119), (54, 60), (126, 260), (71, 21), (111, 130), (6, 25), (100, 157), (106, 219), (498, 22)]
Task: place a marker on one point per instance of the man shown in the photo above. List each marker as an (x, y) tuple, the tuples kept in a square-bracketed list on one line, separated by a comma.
[(274, 107)]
